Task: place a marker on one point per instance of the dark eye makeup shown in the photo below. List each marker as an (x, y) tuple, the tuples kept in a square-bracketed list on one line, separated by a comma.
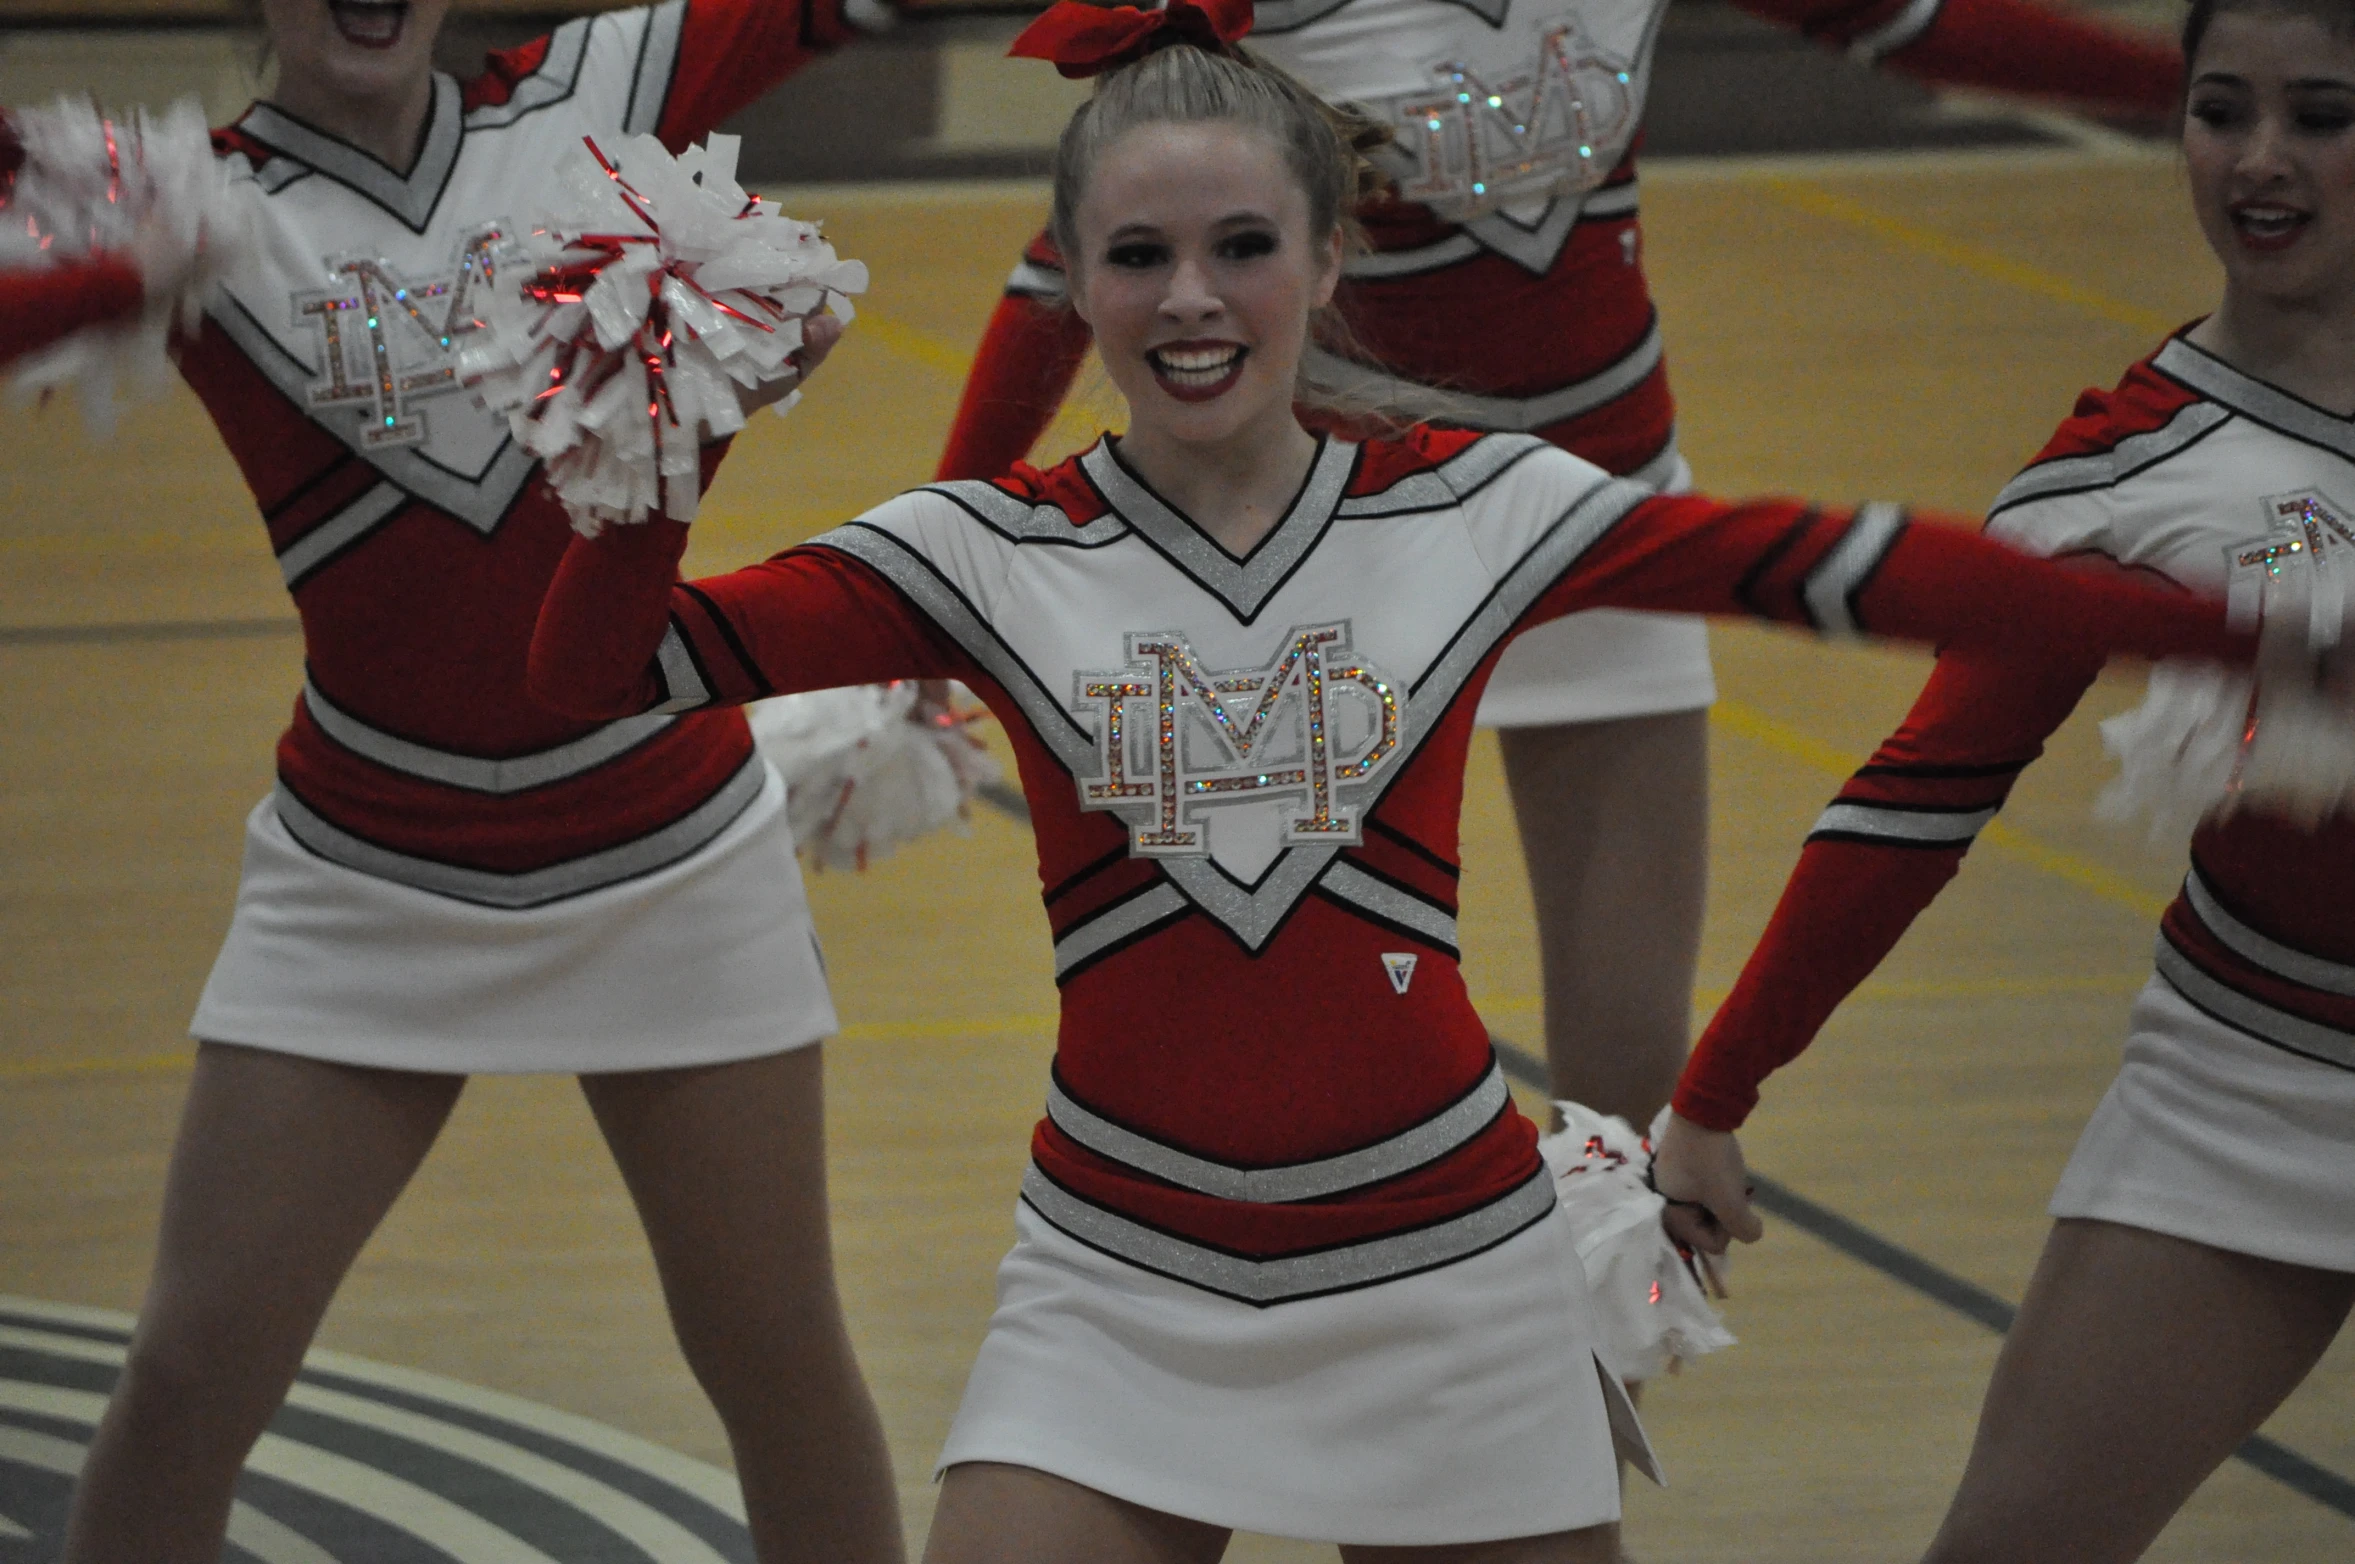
[(1137, 254), (1248, 244)]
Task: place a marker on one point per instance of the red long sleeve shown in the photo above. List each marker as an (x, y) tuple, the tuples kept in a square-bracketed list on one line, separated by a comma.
[(1882, 852), (1023, 369), (42, 304), (809, 619), (1871, 572), (729, 52), (2013, 46)]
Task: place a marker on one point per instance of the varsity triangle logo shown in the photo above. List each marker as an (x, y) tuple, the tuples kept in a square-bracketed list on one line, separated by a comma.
[(1401, 967)]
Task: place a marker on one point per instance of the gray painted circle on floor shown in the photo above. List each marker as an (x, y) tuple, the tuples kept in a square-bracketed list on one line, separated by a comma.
[(369, 1464)]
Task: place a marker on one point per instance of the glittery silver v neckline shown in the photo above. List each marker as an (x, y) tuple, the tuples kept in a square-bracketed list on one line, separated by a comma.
[(1244, 584)]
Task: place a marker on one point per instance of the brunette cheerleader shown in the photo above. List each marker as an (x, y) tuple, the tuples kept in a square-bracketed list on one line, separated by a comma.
[(2203, 1253), (1288, 1259)]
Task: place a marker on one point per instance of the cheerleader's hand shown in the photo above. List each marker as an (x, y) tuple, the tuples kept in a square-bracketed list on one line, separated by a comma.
[(1700, 1174), (819, 333)]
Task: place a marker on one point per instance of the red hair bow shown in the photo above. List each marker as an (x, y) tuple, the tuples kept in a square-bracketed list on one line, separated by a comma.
[(1083, 40)]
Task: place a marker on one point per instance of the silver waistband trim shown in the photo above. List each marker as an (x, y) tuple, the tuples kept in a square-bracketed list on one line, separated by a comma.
[(1425, 1143), (515, 774), (1117, 923), (658, 849), (1347, 882), (1902, 825), (375, 506), (1831, 587), (2283, 961), (2313, 1040), (1265, 1282)]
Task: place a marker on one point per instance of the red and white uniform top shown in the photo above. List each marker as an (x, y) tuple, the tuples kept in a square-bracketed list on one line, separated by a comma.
[(1245, 774), (409, 525), (1508, 268), (2188, 461)]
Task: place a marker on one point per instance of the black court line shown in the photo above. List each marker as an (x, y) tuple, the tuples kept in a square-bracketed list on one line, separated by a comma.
[(1934, 1282), (148, 630)]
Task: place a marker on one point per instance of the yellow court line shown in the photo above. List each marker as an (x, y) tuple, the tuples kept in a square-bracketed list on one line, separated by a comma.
[(1976, 258), (909, 342), (1751, 723)]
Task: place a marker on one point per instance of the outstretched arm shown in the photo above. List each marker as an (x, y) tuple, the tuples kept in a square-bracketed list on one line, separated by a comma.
[(619, 633), (1874, 571), (1028, 358), (2015, 46)]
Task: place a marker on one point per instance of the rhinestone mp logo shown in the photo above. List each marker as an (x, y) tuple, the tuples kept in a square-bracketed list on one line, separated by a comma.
[(1306, 732)]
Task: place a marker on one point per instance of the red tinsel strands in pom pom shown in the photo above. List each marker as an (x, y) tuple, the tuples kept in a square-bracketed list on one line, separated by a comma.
[(75, 182), (639, 314), (1086, 40)]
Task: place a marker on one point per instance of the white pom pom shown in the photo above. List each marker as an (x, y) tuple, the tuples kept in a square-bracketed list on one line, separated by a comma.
[(148, 185), (868, 768), (619, 329), (1648, 1303), (2198, 745)]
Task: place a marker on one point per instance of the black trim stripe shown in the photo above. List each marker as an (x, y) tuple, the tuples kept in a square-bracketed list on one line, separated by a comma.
[(1081, 876), (2000, 768), (1746, 589), (1398, 838), (301, 491), (728, 637)]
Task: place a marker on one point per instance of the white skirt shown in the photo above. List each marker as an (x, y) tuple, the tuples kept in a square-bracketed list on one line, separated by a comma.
[(709, 960), (1604, 664), (2209, 1134), (1465, 1404), (1598, 666)]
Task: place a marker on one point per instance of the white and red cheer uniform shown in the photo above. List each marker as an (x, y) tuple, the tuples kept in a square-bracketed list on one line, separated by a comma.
[(449, 876), (1281, 1212), (1509, 269), (2229, 1121)]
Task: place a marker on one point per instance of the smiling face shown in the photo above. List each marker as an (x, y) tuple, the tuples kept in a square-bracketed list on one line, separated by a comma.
[(359, 54), (2269, 138), (1197, 271)]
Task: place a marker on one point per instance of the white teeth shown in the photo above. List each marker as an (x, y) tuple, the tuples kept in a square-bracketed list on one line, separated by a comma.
[(1196, 366)]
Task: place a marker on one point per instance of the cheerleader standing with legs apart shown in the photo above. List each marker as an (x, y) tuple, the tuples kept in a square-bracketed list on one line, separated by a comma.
[(1506, 267), (1287, 1257), (449, 878), (2203, 1254)]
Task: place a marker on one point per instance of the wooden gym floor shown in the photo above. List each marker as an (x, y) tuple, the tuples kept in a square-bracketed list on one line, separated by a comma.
[(1903, 329)]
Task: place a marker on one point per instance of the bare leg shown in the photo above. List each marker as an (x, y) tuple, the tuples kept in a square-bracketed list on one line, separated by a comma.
[(992, 1514), (1614, 821), (283, 1168), (2138, 1364), (728, 1169)]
